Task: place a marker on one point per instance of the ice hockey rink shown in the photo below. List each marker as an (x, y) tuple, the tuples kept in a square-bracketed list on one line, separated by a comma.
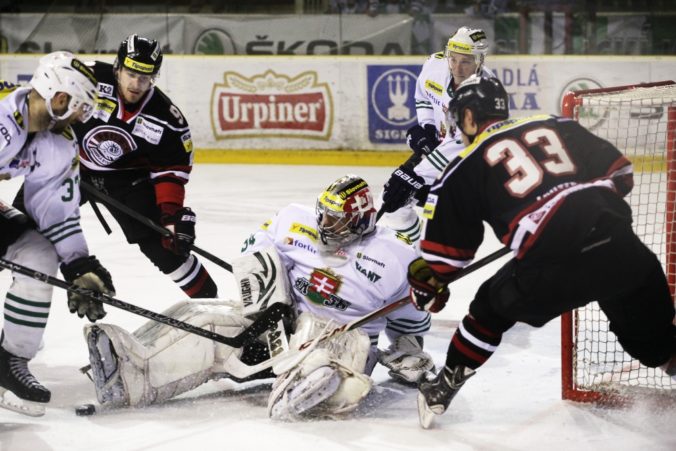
[(513, 403)]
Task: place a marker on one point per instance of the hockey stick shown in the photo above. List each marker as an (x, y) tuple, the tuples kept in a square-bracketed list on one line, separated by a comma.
[(109, 201), (267, 319), (292, 358)]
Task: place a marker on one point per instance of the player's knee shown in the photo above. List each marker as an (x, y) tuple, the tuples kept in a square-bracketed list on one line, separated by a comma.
[(36, 252), (165, 260), (651, 351)]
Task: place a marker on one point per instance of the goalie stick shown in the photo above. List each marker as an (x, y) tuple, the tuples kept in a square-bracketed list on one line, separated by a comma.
[(268, 318), (109, 201)]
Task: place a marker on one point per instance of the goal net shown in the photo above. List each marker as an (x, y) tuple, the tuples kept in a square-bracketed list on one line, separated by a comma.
[(640, 120)]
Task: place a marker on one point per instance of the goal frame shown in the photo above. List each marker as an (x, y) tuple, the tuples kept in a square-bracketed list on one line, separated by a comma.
[(569, 108)]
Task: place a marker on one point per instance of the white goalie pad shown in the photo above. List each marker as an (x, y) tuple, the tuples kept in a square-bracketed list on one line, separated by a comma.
[(262, 280), (329, 381), (406, 360), (157, 361)]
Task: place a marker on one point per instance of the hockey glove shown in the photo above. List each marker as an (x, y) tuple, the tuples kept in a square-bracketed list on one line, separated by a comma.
[(422, 140), (404, 183), (426, 293), (87, 272), (181, 223)]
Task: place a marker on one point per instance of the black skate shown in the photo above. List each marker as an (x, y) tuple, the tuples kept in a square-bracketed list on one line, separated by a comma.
[(19, 390), (436, 395)]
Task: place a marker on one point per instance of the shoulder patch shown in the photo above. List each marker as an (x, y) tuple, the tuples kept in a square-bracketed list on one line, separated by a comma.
[(439, 55), (430, 206), (6, 88), (403, 237), (105, 90), (434, 87), (301, 229), (68, 134), (18, 118), (186, 139)]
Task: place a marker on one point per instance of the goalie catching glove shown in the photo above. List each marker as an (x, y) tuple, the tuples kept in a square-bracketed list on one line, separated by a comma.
[(180, 221), (406, 360), (88, 273), (422, 140), (426, 293)]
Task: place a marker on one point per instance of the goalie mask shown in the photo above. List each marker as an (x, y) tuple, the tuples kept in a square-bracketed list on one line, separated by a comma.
[(345, 213), (484, 96), (62, 72), (140, 55), (468, 41)]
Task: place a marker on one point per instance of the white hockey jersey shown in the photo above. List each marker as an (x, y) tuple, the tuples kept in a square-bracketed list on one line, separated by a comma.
[(49, 164), (373, 275), (433, 93)]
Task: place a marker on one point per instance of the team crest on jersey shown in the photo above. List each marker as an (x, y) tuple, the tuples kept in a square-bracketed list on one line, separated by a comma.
[(104, 144), (430, 206), (322, 289), (301, 229)]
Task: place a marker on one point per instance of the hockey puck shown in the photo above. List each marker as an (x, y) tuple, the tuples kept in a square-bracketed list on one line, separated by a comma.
[(85, 410)]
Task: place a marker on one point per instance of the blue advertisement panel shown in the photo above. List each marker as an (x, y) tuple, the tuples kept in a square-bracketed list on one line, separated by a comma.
[(391, 104)]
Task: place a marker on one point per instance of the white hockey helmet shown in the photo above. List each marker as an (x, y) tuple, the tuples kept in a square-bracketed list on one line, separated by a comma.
[(345, 212), (62, 72), (469, 41)]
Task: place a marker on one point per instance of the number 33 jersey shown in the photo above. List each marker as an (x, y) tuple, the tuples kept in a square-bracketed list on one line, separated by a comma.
[(516, 176), (49, 164)]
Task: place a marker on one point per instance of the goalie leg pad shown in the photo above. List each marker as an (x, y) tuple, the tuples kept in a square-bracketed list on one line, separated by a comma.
[(157, 361), (329, 381), (262, 280)]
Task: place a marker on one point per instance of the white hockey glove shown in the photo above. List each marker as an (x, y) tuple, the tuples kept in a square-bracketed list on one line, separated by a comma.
[(407, 362)]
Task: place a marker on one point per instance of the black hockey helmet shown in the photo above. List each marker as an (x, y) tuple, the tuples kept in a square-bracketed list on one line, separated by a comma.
[(485, 96), (140, 55)]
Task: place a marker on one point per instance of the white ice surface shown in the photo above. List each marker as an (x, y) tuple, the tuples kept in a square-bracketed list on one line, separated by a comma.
[(513, 403)]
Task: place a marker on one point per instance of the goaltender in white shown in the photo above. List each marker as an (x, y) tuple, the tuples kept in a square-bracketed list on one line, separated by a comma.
[(333, 265)]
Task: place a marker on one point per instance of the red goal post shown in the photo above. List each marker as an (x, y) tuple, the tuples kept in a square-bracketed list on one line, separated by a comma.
[(640, 120)]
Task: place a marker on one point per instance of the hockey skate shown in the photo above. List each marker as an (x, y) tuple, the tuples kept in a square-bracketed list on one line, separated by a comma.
[(105, 372), (436, 395), (19, 390)]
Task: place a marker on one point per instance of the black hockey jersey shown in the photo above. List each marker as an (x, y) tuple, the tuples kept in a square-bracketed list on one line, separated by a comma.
[(516, 176), (155, 136)]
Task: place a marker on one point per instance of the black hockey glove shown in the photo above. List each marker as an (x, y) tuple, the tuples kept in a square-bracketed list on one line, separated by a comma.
[(87, 272), (182, 225), (425, 295), (403, 184), (422, 140)]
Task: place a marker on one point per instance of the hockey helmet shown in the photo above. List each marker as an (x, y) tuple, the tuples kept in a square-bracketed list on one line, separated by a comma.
[(62, 72), (485, 96), (345, 212), (141, 55), (469, 41)]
